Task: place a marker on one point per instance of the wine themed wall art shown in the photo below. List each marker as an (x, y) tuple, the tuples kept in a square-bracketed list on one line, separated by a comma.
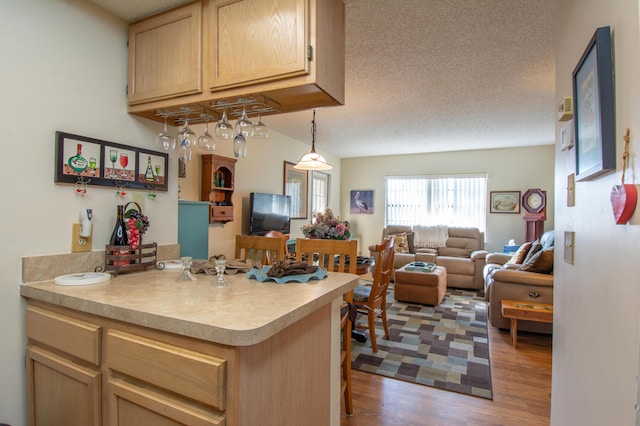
[(89, 161)]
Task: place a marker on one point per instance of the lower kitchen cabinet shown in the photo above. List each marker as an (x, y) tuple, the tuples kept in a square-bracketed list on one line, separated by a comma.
[(148, 378)]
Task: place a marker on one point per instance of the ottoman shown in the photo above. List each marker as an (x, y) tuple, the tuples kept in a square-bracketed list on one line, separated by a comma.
[(420, 287)]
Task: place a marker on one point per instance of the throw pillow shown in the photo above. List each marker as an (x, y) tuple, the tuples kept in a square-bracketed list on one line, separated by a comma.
[(541, 262), (401, 244), (535, 248), (520, 254)]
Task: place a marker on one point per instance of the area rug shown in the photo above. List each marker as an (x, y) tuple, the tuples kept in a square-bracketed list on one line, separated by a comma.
[(446, 346)]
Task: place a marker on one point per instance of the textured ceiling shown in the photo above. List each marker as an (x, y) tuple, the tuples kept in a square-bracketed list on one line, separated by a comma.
[(430, 76)]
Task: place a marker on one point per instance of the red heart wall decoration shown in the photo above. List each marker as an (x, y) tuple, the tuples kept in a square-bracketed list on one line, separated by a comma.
[(623, 202)]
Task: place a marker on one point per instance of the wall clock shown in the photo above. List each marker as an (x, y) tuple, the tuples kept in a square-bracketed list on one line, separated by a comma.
[(534, 203), (534, 200)]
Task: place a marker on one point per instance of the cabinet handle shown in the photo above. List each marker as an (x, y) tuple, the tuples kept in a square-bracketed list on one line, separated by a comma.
[(534, 294)]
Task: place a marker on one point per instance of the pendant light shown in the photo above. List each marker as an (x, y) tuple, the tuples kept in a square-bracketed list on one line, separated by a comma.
[(313, 160)]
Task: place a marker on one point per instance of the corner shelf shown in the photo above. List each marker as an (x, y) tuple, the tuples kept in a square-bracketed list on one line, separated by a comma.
[(218, 177)]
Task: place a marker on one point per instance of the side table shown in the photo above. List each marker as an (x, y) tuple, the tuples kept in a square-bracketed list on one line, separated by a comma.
[(514, 310)]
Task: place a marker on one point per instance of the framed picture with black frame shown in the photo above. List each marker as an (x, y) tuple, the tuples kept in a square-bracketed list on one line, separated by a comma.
[(594, 117), (89, 161)]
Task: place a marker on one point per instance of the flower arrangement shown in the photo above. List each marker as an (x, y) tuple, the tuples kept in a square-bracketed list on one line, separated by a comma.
[(328, 227)]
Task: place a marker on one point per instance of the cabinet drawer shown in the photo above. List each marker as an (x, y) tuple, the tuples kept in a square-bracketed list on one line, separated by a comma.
[(221, 213), (147, 406), (75, 337), (192, 374)]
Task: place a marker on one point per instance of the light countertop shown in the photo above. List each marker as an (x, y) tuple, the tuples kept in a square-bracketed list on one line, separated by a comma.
[(245, 313)]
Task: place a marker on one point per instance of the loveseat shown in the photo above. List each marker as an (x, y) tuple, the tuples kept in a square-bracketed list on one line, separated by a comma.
[(525, 276), (463, 254)]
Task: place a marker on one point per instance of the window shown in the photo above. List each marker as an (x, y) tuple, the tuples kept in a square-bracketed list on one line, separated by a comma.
[(319, 192), (456, 200)]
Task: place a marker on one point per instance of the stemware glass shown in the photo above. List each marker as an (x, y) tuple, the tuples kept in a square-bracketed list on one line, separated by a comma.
[(260, 130), (221, 264), (224, 129), (205, 141), (239, 146), (164, 140), (186, 136), (244, 126)]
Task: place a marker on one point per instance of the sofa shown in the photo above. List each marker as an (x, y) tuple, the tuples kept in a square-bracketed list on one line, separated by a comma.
[(525, 276), (463, 255)]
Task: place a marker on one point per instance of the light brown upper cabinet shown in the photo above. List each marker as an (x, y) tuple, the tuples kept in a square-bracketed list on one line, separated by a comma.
[(165, 55), (258, 40), (288, 53)]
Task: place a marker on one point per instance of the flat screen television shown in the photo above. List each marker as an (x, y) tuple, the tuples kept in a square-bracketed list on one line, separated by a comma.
[(269, 212)]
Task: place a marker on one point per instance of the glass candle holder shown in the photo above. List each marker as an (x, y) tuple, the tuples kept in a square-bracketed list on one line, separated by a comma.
[(221, 265)]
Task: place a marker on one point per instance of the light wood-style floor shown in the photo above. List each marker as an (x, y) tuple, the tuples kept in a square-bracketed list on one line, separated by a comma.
[(521, 381)]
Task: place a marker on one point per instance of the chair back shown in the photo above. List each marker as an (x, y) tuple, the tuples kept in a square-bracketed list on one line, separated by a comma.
[(382, 273), (260, 249), (332, 255)]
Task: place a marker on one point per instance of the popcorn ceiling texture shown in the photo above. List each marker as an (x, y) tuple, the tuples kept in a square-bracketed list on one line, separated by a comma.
[(430, 76)]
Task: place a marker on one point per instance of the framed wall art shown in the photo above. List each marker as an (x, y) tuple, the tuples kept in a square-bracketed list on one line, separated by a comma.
[(81, 159), (361, 202), (504, 202), (295, 184), (594, 121)]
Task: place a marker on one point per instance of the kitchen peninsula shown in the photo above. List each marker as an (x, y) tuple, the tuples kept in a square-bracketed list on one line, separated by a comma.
[(144, 348)]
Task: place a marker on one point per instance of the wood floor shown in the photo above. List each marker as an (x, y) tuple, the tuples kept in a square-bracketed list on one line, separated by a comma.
[(521, 380)]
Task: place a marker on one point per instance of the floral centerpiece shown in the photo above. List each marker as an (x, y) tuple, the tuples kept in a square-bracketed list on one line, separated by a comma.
[(328, 227)]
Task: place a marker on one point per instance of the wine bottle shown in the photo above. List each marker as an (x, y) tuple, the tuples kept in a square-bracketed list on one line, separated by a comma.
[(148, 175), (119, 238), (77, 162)]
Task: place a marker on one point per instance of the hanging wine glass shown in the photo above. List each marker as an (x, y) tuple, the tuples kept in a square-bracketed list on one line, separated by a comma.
[(164, 140), (186, 136), (260, 130), (239, 146), (224, 129), (205, 141), (244, 126)]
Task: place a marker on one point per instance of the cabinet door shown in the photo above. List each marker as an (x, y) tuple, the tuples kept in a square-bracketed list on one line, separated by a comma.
[(165, 55), (258, 40), (61, 392)]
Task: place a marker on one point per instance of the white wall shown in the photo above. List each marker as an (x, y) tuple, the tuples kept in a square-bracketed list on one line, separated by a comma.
[(595, 342), (508, 170)]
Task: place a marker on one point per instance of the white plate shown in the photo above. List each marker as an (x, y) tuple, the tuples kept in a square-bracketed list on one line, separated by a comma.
[(172, 264), (83, 278)]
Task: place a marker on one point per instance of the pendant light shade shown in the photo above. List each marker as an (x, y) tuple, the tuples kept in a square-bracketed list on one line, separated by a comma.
[(312, 160)]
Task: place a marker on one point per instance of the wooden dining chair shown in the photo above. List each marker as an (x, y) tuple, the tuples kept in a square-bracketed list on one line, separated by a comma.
[(372, 300), (260, 249), (337, 256)]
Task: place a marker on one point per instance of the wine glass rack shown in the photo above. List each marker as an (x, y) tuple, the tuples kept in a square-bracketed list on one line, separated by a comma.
[(255, 105)]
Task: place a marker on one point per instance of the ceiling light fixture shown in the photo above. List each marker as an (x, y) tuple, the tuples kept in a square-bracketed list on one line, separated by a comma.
[(312, 160)]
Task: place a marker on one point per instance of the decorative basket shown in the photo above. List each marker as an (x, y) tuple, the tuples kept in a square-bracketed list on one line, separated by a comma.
[(125, 258)]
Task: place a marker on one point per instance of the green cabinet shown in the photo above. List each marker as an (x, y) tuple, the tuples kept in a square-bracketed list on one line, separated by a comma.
[(193, 228)]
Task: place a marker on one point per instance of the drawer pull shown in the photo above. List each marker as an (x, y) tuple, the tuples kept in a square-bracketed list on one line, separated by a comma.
[(534, 294)]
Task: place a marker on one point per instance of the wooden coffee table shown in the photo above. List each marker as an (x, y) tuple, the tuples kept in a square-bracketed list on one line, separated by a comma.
[(530, 311)]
